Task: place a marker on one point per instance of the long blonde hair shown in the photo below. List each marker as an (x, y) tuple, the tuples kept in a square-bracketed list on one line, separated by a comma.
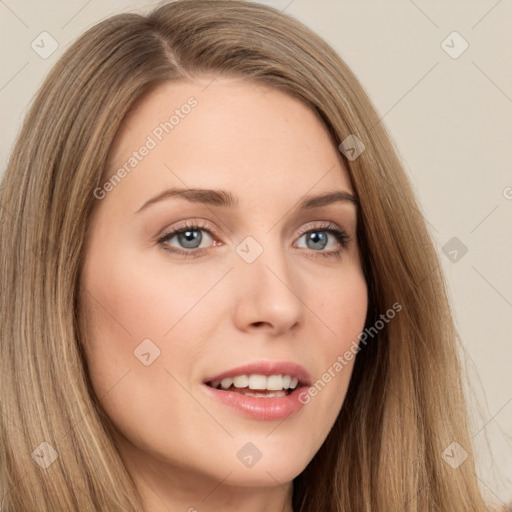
[(405, 404)]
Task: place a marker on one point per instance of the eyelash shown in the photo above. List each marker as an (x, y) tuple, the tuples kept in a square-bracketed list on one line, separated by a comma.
[(342, 237)]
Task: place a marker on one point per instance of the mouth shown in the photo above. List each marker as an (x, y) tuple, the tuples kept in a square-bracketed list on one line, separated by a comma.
[(258, 385), (260, 390)]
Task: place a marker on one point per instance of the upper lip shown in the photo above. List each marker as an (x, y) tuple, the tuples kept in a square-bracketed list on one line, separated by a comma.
[(266, 368)]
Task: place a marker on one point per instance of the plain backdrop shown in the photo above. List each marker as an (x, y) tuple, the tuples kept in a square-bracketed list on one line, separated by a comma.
[(446, 99)]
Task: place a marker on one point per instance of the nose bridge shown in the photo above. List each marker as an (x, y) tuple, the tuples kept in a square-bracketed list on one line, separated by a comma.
[(269, 291), (265, 258)]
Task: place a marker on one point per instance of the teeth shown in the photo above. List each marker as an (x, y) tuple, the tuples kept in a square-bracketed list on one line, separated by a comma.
[(258, 382), (241, 381), (226, 383), (276, 382)]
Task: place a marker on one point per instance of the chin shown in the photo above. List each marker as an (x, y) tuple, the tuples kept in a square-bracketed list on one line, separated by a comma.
[(274, 472), (261, 464)]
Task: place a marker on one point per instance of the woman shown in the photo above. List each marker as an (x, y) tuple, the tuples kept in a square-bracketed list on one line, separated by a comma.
[(301, 357)]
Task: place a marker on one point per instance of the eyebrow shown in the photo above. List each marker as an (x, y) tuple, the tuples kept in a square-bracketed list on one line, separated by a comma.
[(223, 198)]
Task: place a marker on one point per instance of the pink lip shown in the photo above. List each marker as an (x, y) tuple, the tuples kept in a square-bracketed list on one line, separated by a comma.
[(267, 368), (276, 408)]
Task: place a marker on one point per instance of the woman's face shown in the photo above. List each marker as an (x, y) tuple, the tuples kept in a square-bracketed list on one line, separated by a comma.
[(256, 284)]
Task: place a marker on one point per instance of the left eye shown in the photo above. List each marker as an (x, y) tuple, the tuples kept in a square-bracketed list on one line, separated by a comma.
[(319, 238)]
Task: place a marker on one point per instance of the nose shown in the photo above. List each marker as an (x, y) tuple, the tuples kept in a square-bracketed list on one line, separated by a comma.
[(268, 295)]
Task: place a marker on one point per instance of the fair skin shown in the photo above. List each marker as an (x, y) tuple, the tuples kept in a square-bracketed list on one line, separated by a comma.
[(215, 311)]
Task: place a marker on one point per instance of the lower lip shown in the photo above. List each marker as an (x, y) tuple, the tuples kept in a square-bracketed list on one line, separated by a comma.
[(275, 408)]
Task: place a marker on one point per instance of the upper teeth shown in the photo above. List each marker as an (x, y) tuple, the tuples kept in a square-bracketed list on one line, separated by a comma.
[(256, 381)]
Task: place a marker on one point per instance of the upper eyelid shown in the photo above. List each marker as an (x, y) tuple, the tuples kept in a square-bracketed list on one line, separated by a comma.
[(196, 225), (200, 226)]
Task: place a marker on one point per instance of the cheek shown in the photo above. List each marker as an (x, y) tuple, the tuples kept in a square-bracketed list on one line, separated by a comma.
[(342, 306), (147, 299), (342, 309), (120, 313), (128, 301)]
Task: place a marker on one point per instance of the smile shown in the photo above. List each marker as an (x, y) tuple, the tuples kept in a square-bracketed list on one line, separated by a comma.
[(258, 385), (263, 391)]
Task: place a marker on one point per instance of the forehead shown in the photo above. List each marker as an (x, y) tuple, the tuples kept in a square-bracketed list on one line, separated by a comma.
[(227, 133)]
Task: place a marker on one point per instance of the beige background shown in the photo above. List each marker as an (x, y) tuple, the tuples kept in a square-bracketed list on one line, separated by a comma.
[(451, 120)]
